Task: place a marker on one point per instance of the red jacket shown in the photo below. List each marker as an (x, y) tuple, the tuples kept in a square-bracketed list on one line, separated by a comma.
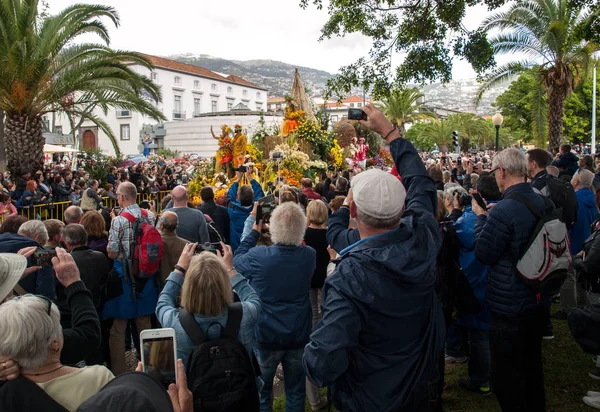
[(310, 194)]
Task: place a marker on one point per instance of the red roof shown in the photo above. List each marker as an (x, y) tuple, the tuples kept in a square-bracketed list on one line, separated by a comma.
[(276, 100), (354, 99), (197, 70)]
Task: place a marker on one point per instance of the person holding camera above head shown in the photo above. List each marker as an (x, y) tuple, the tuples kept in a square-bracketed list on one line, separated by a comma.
[(192, 223), (240, 200), (379, 345), (281, 276), (205, 282)]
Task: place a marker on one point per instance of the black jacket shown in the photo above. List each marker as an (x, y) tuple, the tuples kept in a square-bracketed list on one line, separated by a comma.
[(220, 217), (94, 268), (588, 267)]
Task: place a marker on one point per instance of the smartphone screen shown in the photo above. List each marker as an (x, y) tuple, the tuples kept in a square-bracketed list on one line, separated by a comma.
[(159, 359)]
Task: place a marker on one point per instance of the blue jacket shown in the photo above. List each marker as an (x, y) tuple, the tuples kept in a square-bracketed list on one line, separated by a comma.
[(475, 272), (167, 313), (40, 282), (239, 213), (587, 213), (338, 234), (500, 238), (281, 276), (382, 335)]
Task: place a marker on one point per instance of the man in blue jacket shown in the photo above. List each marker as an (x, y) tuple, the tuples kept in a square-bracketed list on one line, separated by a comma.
[(587, 212), (519, 315), (239, 205), (280, 274), (32, 233), (567, 161), (379, 345)]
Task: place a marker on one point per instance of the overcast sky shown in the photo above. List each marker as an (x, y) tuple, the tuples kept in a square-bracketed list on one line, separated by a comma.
[(241, 30)]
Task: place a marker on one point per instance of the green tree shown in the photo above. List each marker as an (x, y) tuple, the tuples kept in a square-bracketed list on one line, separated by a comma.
[(548, 31), (404, 106), (434, 132), (44, 70), (428, 32), (473, 130)]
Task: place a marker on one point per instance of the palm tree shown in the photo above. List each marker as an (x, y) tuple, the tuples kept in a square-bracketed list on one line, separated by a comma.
[(471, 127), (547, 33), (436, 131), (43, 70), (404, 106)]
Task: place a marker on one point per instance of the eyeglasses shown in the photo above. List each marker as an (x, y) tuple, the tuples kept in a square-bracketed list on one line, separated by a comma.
[(494, 170), (49, 303)]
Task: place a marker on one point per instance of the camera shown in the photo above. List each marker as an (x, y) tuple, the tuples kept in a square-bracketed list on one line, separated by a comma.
[(43, 257), (356, 114), (277, 155), (244, 168), (265, 208), (331, 168), (463, 199), (209, 247)]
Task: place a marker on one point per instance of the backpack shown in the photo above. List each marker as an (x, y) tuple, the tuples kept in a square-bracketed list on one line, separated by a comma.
[(147, 246), (544, 263), (219, 372), (563, 196)]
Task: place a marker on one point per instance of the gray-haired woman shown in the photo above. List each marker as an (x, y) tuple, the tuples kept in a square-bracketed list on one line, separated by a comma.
[(33, 337)]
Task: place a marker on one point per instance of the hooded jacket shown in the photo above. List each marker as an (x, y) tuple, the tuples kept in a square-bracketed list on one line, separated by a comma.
[(587, 213), (239, 213), (567, 162), (40, 282), (380, 342)]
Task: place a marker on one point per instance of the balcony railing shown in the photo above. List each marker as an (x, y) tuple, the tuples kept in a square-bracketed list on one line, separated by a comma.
[(178, 115)]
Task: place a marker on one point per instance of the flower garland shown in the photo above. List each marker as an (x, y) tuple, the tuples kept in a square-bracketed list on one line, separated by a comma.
[(295, 115), (336, 153), (292, 177)]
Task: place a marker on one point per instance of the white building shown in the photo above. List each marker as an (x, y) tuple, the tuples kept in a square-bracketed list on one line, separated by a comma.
[(187, 92)]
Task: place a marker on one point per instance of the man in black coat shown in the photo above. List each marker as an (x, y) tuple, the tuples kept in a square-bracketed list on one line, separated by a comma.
[(217, 213)]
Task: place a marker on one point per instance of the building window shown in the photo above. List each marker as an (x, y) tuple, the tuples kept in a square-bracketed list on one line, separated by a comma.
[(196, 106), (245, 93), (58, 130), (177, 104), (278, 106), (214, 106), (258, 96), (125, 132), (213, 87), (229, 105), (178, 80), (153, 75), (351, 104), (359, 105), (258, 106), (230, 90), (196, 84), (334, 118)]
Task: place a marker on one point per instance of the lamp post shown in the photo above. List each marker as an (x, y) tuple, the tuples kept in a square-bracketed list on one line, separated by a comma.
[(497, 121)]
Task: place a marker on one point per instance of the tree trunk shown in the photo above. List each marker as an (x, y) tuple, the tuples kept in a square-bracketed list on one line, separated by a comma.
[(24, 143), (2, 146), (556, 110)]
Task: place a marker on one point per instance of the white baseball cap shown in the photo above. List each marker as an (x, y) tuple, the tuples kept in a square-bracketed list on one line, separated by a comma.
[(378, 194), (12, 267)]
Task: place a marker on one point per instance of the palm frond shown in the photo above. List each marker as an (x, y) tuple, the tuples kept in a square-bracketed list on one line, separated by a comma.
[(501, 74)]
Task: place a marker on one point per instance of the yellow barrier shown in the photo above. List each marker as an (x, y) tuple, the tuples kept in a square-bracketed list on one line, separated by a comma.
[(56, 210)]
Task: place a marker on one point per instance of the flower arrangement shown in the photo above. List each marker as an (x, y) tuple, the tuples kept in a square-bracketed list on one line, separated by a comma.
[(254, 153), (312, 132), (336, 154), (292, 177), (295, 115), (386, 157), (317, 164), (293, 159)]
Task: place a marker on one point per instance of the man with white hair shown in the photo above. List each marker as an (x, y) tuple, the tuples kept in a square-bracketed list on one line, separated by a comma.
[(379, 345), (31, 233), (587, 212), (519, 315), (73, 214), (280, 274)]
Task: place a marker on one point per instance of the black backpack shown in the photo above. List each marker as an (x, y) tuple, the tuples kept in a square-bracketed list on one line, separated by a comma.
[(563, 196), (219, 372)]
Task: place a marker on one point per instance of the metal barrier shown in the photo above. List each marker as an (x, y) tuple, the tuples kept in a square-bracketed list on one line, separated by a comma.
[(56, 210)]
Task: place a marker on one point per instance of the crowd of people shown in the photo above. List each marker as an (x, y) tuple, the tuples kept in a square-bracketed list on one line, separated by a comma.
[(367, 284)]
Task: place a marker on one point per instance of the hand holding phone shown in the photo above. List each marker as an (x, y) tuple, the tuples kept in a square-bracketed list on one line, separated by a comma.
[(479, 200), (159, 355)]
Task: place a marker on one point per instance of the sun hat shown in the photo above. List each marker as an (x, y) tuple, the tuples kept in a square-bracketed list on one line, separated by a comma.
[(12, 267), (378, 194)]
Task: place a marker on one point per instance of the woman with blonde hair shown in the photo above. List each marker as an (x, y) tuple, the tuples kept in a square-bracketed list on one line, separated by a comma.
[(206, 282)]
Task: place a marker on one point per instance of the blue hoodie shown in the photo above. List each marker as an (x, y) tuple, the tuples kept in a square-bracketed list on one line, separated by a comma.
[(239, 213), (586, 215), (40, 282)]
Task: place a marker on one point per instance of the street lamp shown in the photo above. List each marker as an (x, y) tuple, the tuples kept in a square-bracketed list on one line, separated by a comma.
[(497, 121)]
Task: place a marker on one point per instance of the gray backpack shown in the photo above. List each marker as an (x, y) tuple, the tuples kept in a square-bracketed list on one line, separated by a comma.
[(546, 259)]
